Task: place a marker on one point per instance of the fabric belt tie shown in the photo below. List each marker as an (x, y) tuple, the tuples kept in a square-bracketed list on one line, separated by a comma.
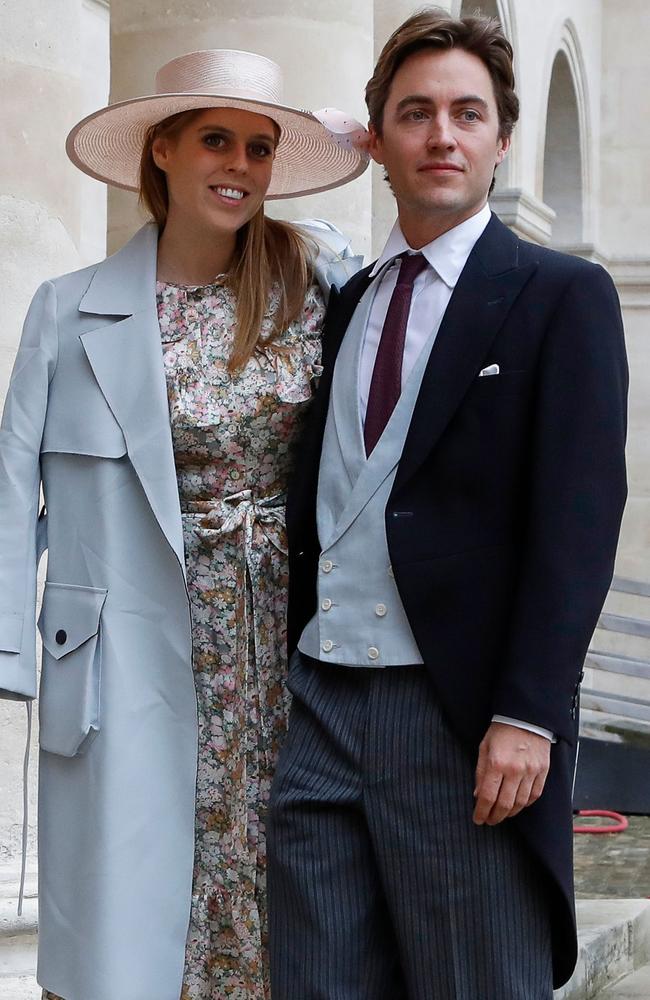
[(243, 513), (386, 382), (240, 510)]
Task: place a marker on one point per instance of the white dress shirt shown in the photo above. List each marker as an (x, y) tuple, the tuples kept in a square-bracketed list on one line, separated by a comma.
[(432, 290)]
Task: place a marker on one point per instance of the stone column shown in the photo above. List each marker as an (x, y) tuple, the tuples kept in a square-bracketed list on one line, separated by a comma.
[(625, 225), (325, 51), (52, 219)]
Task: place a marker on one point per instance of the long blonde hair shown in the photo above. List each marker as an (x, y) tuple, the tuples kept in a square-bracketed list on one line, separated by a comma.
[(268, 253)]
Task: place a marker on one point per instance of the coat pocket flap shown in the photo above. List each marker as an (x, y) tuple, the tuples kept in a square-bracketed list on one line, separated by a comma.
[(69, 616)]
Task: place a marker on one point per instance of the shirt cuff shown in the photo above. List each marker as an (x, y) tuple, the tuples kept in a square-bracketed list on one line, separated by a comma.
[(546, 733)]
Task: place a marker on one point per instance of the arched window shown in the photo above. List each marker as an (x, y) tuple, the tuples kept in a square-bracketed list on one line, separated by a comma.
[(488, 8), (562, 155)]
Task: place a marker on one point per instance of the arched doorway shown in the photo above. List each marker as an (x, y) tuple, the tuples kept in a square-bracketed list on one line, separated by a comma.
[(488, 8), (563, 169)]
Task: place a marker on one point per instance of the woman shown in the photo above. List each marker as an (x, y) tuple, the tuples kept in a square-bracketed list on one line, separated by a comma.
[(166, 567)]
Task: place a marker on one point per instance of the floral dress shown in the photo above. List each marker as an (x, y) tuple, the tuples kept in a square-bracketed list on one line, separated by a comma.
[(233, 443)]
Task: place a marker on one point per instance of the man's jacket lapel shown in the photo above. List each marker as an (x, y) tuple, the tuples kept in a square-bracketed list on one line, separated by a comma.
[(487, 288), (301, 501)]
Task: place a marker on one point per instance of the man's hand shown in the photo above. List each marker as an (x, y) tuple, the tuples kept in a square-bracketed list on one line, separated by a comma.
[(510, 773)]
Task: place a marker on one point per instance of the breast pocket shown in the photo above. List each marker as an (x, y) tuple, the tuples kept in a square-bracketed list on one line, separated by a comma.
[(70, 627)]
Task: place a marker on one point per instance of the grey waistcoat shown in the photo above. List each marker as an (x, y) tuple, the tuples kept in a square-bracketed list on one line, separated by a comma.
[(360, 619)]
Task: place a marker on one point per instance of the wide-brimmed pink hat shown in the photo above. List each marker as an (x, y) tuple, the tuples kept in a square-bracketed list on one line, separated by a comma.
[(316, 151)]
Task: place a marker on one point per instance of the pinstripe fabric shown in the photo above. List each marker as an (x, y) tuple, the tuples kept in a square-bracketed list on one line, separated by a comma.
[(381, 887)]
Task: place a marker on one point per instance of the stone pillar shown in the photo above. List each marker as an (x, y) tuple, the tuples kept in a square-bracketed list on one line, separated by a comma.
[(325, 51), (625, 224), (52, 219)]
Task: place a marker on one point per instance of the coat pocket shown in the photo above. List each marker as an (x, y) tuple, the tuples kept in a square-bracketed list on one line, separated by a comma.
[(69, 624)]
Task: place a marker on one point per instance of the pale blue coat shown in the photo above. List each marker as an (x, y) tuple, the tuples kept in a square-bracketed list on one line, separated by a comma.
[(87, 418)]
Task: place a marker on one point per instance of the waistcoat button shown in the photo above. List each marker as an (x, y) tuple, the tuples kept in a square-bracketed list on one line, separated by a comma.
[(327, 566), (326, 604), (373, 652), (380, 610)]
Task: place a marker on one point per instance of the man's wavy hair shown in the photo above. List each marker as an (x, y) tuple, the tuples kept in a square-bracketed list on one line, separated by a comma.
[(433, 28)]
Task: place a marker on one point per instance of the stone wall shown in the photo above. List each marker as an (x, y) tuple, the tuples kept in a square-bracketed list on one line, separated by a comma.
[(53, 70), (625, 237), (325, 51)]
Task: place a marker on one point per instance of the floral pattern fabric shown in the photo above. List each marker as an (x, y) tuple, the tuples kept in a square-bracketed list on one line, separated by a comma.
[(234, 436)]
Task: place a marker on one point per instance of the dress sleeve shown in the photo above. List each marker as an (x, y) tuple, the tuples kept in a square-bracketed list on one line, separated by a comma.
[(298, 364), (21, 533)]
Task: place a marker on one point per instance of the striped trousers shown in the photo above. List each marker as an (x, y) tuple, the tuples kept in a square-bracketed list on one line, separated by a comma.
[(380, 885)]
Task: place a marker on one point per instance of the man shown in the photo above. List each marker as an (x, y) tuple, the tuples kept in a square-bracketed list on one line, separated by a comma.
[(452, 538)]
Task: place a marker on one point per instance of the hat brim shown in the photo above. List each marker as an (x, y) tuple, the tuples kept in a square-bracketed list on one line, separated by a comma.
[(108, 144)]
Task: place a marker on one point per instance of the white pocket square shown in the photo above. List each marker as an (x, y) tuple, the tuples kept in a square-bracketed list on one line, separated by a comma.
[(490, 370)]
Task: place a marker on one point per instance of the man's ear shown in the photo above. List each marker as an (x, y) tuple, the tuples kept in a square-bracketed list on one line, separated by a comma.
[(375, 145), (502, 148)]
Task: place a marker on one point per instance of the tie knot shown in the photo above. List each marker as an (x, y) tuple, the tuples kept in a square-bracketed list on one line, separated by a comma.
[(412, 264)]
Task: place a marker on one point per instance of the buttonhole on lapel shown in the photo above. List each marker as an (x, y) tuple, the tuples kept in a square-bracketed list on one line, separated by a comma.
[(495, 302), (402, 513)]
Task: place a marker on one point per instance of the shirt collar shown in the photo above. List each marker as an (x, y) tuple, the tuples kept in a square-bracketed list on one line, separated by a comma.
[(447, 254)]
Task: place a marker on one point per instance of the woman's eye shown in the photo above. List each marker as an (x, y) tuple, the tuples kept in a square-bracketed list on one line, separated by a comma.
[(214, 139), (261, 150)]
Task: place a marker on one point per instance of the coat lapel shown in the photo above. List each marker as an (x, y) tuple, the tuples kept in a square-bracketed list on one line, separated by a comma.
[(487, 288), (127, 362), (339, 314), (301, 506)]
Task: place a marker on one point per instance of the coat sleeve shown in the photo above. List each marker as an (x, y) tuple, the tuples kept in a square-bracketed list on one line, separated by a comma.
[(334, 261), (21, 539), (575, 499)]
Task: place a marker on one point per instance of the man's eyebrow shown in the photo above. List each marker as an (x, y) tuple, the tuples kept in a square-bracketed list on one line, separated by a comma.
[(471, 99), (413, 99), (427, 101)]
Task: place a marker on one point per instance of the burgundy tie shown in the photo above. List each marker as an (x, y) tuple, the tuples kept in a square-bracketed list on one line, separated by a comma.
[(386, 382)]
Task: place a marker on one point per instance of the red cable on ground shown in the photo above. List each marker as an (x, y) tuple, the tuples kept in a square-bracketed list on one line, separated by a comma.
[(621, 822)]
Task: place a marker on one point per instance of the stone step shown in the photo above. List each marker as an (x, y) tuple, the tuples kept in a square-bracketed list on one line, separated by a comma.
[(609, 640), (614, 728), (18, 936), (625, 624), (633, 605), (19, 988), (597, 661), (614, 942), (629, 706), (17, 958), (633, 987)]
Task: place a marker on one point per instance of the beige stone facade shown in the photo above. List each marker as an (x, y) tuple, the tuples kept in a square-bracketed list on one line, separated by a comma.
[(53, 70), (577, 176)]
